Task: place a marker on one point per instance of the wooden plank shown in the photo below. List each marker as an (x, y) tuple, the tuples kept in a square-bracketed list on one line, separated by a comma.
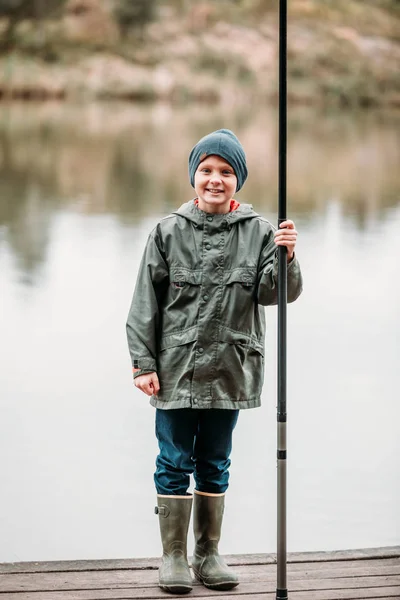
[(324, 570), (81, 580), (235, 559), (383, 593), (342, 565), (260, 585), (124, 579), (203, 594), (359, 554), (252, 567), (379, 594), (81, 565)]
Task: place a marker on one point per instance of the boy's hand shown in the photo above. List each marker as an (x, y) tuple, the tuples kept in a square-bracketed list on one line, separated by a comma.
[(148, 383), (286, 235)]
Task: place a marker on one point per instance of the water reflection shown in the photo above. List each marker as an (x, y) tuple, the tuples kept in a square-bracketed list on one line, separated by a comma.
[(132, 162)]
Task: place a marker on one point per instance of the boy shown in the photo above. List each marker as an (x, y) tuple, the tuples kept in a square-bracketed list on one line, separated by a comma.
[(196, 332)]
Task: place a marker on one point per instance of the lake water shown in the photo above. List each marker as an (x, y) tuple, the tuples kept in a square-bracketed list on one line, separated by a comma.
[(81, 187)]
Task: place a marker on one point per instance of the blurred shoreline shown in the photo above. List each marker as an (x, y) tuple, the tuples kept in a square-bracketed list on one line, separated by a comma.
[(340, 53), (121, 161)]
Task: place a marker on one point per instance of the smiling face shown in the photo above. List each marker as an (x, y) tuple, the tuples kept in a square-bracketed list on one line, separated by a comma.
[(215, 183)]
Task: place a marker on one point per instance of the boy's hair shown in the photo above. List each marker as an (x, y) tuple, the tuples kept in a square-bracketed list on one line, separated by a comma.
[(225, 144)]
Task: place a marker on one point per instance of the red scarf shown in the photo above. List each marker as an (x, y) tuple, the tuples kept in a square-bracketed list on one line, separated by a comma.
[(233, 206)]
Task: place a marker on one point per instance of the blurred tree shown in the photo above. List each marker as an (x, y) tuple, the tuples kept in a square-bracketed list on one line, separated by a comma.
[(19, 10), (133, 14)]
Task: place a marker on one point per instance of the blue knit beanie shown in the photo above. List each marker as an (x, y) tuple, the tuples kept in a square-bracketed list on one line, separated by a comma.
[(225, 144)]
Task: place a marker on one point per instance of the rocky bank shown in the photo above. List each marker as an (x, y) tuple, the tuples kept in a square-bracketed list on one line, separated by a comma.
[(343, 53)]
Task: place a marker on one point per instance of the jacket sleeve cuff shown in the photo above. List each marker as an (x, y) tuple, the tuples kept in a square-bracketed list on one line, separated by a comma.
[(142, 366), (143, 372), (293, 267), (292, 260), (295, 280)]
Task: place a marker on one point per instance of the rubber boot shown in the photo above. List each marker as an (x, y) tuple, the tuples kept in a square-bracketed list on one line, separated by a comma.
[(208, 566), (174, 516)]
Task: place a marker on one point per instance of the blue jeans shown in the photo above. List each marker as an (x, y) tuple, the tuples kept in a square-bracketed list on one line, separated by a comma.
[(193, 441)]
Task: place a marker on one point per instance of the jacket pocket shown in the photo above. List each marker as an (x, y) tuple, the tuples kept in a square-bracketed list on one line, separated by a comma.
[(176, 362), (181, 302), (181, 276), (178, 338), (247, 276), (231, 336), (239, 299), (240, 366)]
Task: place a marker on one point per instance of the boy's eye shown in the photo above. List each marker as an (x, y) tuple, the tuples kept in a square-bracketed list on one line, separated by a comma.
[(224, 172)]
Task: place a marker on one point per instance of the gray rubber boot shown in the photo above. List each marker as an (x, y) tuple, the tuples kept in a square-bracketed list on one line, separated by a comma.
[(208, 566), (174, 516)]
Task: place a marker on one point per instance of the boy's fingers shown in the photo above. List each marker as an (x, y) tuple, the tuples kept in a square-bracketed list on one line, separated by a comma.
[(289, 224), (285, 231), (156, 385), (150, 388), (285, 242), (284, 235), (283, 239), (147, 388), (148, 384)]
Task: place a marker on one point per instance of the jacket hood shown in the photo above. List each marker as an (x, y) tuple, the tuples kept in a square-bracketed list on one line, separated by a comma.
[(193, 213)]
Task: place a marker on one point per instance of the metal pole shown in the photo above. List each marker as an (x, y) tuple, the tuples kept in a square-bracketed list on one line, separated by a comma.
[(281, 588)]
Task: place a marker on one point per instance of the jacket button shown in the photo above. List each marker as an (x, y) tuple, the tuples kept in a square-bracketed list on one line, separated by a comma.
[(208, 246), (205, 297), (209, 218), (200, 350)]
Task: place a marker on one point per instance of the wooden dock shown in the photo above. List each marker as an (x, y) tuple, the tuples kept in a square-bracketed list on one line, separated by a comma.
[(350, 574)]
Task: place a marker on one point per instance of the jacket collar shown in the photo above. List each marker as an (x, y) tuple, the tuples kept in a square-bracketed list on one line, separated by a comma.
[(193, 213)]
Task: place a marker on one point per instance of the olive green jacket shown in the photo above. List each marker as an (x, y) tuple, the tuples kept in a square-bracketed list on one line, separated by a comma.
[(197, 314)]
